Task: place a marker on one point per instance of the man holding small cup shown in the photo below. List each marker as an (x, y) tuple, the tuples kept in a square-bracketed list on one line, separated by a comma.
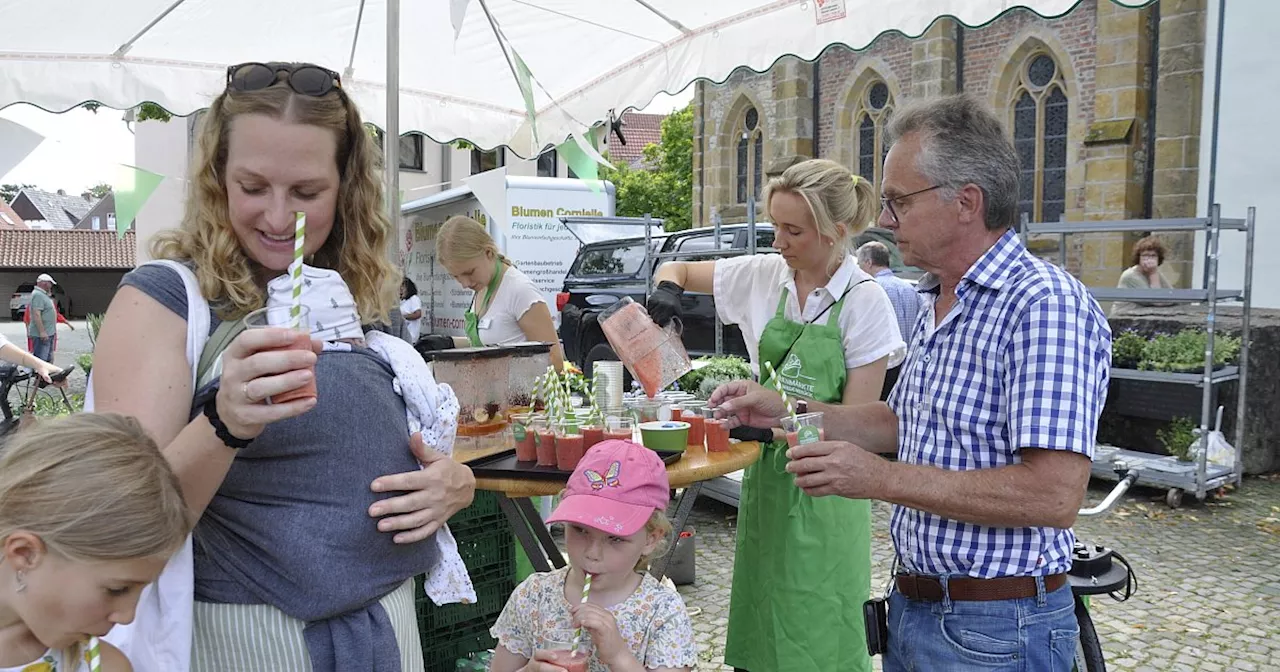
[(993, 419)]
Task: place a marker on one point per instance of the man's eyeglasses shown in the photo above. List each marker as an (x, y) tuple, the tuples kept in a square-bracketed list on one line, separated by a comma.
[(303, 78), (886, 203)]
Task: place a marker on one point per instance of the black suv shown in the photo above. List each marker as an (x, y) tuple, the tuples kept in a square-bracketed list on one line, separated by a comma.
[(605, 272)]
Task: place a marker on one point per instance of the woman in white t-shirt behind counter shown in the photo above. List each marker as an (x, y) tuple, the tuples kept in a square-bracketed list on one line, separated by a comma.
[(507, 307)]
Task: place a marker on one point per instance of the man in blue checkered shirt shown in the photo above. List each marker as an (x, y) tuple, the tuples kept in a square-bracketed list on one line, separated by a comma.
[(993, 419)]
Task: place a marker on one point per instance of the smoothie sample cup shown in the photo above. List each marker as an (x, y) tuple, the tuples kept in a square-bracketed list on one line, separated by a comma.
[(804, 428), (569, 445), (691, 412), (560, 644), (280, 317), (592, 433), (545, 446), (715, 431), (619, 428), (526, 439)]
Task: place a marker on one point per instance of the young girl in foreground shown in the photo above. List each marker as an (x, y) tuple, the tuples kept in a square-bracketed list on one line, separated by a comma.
[(613, 511), (89, 514)]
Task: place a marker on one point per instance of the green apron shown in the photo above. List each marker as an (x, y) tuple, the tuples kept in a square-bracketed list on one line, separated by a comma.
[(803, 564), (473, 323)]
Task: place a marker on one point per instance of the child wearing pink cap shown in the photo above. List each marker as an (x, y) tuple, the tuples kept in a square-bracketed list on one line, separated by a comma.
[(613, 510)]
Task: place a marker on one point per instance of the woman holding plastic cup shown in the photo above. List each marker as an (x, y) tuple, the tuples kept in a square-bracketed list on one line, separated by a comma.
[(323, 486), (829, 332)]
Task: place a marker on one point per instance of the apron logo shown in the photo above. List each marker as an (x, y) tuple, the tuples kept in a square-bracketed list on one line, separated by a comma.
[(808, 434), (792, 367)]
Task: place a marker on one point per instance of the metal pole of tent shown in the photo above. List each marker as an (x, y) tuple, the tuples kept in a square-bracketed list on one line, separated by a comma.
[(719, 328), (1242, 382), (1213, 137), (1206, 407), (648, 250), (391, 134)]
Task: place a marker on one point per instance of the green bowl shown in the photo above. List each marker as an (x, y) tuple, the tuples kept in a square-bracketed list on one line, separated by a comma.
[(665, 436)]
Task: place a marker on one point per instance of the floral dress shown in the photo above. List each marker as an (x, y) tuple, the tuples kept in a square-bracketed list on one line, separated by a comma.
[(652, 621), (54, 661)]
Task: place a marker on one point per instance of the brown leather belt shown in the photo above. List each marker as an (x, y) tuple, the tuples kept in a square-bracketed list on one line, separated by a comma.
[(965, 589)]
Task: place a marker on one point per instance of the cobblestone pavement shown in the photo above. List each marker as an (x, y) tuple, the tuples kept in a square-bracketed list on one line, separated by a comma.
[(1208, 597)]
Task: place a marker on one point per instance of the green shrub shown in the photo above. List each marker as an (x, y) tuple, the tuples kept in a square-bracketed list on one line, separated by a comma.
[(1178, 436)]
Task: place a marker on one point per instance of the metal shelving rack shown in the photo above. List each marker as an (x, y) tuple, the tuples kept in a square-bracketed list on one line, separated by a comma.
[(1199, 477)]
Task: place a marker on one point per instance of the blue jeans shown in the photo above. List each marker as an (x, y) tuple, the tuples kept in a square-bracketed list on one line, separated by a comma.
[(43, 348), (1034, 634)]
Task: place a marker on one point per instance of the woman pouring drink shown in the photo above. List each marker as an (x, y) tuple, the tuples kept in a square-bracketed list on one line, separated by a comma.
[(507, 307), (802, 569)]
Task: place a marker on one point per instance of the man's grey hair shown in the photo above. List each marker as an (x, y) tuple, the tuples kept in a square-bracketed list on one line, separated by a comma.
[(963, 142), (874, 253)]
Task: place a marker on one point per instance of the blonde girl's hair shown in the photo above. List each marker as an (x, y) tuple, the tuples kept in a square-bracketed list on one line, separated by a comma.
[(660, 524), (94, 487), (834, 196), (356, 247), (463, 239)]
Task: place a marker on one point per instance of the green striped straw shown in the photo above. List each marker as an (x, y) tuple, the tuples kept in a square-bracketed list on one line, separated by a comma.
[(295, 268), (95, 655), (591, 390), (586, 590), (777, 385)]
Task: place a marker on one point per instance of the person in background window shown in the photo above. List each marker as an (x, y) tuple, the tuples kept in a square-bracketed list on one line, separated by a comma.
[(873, 259), (411, 309), (1148, 255)]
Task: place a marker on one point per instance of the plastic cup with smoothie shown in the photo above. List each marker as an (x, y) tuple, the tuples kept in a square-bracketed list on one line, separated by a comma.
[(592, 431), (691, 412), (559, 643), (526, 440), (620, 428), (545, 449), (279, 317), (716, 431), (569, 445), (804, 428)]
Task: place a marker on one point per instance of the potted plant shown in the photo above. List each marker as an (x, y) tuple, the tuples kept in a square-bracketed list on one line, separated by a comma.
[(1179, 437), (1182, 352), (1127, 349)]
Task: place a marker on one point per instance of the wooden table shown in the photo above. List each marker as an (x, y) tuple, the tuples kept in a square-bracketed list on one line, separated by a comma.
[(688, 474)]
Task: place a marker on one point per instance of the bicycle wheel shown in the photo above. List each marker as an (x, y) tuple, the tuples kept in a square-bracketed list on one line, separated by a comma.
[(1089, 656)]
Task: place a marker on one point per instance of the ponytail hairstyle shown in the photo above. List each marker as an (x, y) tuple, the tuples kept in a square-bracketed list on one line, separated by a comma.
[(842, 204), (463, 239)]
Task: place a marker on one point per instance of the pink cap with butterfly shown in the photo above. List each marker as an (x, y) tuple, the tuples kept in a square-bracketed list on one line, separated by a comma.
[(616, 488)]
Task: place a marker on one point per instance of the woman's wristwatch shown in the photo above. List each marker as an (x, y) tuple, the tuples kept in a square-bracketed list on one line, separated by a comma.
[(209, 406)]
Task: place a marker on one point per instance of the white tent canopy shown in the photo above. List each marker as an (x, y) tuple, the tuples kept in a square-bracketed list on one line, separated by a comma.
[(587, 57)]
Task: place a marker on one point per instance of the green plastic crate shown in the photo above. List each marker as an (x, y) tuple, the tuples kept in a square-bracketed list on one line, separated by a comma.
[(441, 654), (487, 547)]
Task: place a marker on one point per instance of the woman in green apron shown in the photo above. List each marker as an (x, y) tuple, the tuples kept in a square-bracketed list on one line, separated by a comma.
[(802, 570), (507, 308)]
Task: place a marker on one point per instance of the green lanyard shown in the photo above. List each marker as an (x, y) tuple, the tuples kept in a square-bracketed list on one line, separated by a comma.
[(472, 321)]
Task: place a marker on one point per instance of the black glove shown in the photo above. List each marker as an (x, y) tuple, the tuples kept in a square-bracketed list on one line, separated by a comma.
[(744, 433), (664, 303)]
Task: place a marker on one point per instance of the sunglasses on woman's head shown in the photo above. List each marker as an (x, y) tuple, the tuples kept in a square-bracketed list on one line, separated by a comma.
[(303, 78)]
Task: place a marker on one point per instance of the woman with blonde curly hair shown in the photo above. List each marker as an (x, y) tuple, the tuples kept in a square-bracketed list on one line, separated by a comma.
[(315, 512)]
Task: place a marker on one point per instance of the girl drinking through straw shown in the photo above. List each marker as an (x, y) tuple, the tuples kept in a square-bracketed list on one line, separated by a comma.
[(89, 514), (613, 511)]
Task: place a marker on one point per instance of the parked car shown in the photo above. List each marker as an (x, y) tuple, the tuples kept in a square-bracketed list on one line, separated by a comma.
[(605, 272), (22, 296)]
